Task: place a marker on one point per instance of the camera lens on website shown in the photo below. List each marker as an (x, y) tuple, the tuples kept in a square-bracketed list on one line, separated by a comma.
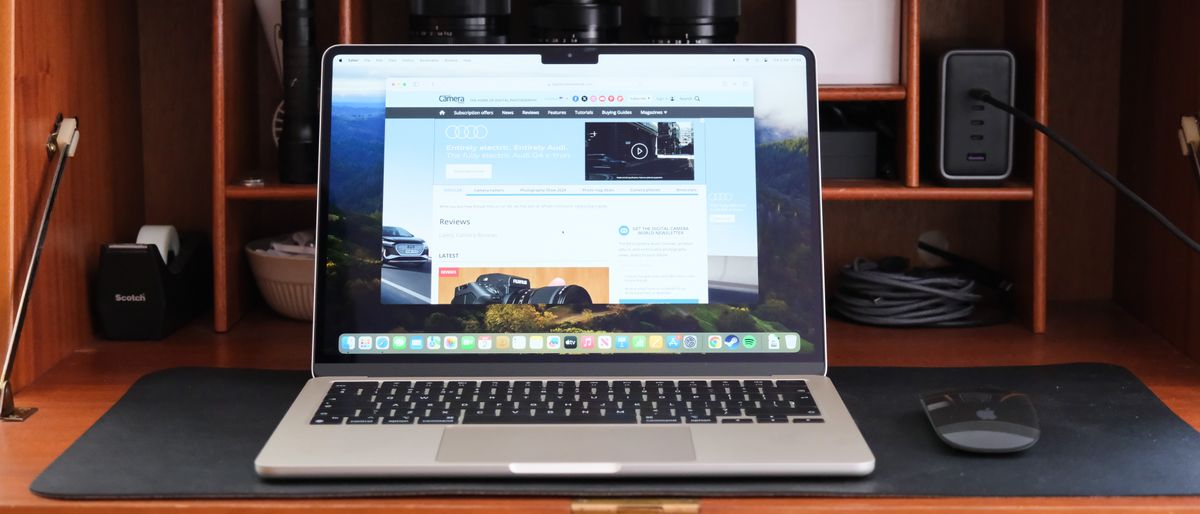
[(692, 21), (576, 21), (510, 289), (459, 21)]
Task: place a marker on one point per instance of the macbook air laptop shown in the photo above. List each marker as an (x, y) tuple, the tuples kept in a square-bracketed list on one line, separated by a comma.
[(568, 260)]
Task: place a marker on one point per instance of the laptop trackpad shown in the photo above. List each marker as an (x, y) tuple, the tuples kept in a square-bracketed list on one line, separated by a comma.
[(566, 444)]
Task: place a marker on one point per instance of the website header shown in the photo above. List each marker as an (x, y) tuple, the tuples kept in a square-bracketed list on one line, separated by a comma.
[(560, 92), (567, 112)]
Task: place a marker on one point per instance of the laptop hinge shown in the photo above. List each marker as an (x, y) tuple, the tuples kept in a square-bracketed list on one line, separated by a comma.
[(635, 505)]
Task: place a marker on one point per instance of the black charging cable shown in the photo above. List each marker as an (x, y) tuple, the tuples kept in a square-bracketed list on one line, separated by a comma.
[(986, 97), (887, 293)]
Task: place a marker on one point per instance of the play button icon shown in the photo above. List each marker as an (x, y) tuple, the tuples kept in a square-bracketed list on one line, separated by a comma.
[(639, 151)]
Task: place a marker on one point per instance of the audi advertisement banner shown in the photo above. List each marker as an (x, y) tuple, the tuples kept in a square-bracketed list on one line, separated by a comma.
[(458, 131)]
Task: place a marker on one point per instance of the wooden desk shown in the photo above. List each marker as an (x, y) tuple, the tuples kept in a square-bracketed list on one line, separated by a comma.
[(77, 391)]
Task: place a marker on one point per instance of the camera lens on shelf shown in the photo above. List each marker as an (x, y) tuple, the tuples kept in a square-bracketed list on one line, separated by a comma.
[(692, 21), (576, 21), (459, 21), (297, 142)]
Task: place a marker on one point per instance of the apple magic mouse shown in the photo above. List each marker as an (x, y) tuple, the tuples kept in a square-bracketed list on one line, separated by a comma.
[(983, 420)]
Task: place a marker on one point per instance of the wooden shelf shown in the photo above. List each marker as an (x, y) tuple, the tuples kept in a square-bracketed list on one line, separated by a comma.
[(879, 93), (271, 192), (879, 189)]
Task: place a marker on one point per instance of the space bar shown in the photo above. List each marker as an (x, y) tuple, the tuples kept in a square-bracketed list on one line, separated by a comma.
[(547, 420)]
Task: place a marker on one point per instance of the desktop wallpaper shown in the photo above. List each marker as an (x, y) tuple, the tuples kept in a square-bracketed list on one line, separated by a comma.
[(790, 297)]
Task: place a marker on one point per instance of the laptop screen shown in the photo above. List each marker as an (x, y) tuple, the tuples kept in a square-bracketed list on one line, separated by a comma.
[(494, 203)]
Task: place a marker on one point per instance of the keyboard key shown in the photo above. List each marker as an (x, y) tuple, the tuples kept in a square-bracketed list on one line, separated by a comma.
[(533, 385), (808, 420), (358, 390), (569, 404), (363, 420), (658, 418), (771, 419), (627, 386), (472, 419), (777, 405), (798, 398), (326, 420), (425, 385), (439, 418), (549, 412), (737, 420), (394, 388), (700, 418)]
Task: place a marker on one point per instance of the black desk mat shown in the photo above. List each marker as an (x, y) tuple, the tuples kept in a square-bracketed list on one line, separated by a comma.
[(194, 433)]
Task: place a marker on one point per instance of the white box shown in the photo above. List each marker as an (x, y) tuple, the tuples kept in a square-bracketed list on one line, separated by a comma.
[(855, 41), (468, 171)]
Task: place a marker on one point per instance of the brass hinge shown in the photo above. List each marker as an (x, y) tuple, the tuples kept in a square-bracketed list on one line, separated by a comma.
[(636, 506)]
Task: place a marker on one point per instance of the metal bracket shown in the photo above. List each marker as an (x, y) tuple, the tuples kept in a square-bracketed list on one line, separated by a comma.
[(63, 141), (636, 506), (9, 412), (1189, 141), (52, 140)]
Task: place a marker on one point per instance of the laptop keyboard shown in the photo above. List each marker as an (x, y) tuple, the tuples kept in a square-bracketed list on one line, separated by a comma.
[(567, 402)]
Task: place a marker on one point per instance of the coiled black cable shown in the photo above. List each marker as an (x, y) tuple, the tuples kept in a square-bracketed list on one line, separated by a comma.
[(887, 293)]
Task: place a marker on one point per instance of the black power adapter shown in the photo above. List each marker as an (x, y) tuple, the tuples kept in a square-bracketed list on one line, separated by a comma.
[(975, 142)]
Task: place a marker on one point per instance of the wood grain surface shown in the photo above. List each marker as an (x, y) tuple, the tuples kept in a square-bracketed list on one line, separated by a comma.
[(93, 75), (1157, 277), (7, 126), (175, 40)]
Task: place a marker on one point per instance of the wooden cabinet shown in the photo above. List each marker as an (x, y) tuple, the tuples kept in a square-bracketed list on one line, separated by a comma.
[(1020, 251), (174, 100)]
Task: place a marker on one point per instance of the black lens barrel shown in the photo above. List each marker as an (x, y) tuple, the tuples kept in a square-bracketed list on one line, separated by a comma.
[(459, 21), (297, 143), (576, 21), (572, 21), (692, 21)]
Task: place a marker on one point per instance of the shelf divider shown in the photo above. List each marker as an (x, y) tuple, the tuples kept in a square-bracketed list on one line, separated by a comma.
[(880, 189), (866, 93), (271, 192)]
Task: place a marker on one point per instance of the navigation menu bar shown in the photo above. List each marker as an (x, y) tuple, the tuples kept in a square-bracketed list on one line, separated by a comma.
[(568, 112)]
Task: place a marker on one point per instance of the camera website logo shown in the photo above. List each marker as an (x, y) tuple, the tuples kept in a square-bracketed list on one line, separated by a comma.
[(452, 98)]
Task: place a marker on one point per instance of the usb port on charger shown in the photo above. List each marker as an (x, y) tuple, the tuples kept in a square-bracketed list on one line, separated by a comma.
[(976, 157)]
